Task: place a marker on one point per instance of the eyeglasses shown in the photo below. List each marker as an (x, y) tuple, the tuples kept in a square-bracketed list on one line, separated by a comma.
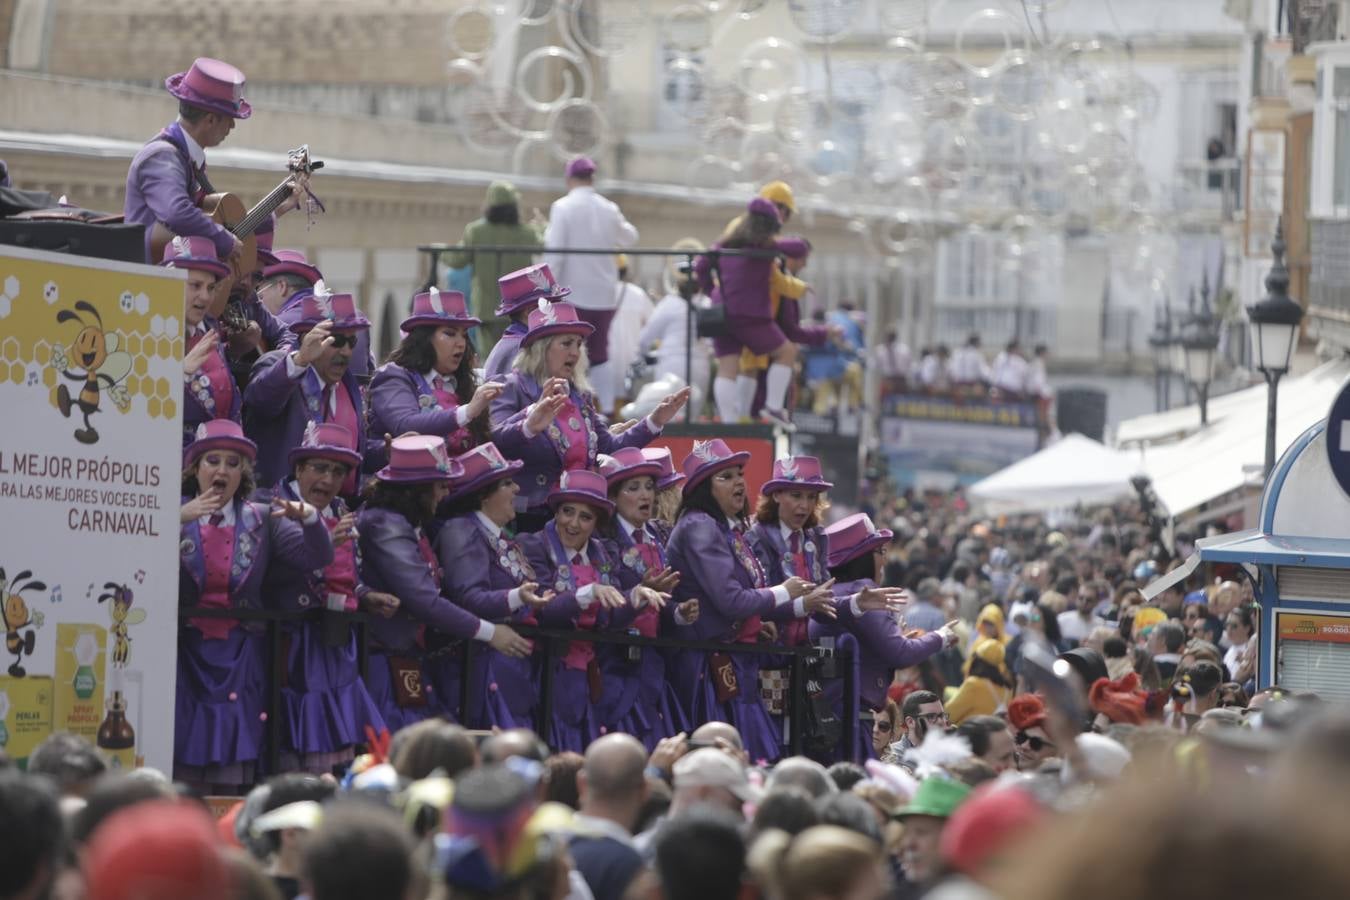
[(1036, 744), (882, 725), (937, 718), (343, 340), (323, 469)]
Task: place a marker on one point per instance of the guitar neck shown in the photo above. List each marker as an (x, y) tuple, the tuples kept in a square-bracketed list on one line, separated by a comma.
[(265, 208)]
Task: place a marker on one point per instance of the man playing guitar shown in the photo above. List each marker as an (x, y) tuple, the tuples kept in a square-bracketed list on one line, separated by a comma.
[(167, 179)]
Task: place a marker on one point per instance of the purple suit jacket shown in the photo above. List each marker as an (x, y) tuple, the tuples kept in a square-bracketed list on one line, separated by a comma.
[(472, 571), (396, 407), (301, 589), (161, 184), (277, 410), (391, 562), (771, 550), (700, 550), (543, 453), (194, 412), (562, 611), (262, 546), (884, 648), (503, 353), (790, 321)]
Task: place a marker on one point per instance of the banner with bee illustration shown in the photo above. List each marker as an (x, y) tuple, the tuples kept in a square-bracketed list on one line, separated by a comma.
[(91, 381)]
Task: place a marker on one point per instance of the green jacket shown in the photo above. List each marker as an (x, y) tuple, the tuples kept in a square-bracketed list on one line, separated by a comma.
[(487, 266)]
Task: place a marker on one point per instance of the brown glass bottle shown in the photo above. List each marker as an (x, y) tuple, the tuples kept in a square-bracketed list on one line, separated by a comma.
[(116, 738)]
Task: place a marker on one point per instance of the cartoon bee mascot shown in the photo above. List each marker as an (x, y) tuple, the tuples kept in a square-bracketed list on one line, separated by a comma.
[(17, 616), (95, 359), (122, 616)]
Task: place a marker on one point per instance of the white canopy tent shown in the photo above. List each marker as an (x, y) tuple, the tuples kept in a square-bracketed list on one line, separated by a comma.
[(1074, 470)]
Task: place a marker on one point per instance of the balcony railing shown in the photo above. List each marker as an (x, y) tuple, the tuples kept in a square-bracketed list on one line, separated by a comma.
[(1329, 268), (1311, 21), (1209, 186), (996, 325)]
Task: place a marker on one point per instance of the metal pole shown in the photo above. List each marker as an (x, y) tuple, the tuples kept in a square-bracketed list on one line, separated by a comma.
[(1272, 394), (691, 335), (1202, 390)]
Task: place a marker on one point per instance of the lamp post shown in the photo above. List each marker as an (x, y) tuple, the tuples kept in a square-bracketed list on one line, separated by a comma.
[(1161, 343), (1274, 330), (1199, 340)]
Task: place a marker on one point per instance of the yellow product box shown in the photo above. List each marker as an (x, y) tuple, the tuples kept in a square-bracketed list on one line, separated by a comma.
[(25, 715), (81, 669)]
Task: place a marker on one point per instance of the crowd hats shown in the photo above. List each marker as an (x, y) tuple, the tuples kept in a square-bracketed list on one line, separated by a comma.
[(1122, 701), (292, 262), (853, 536), (662, 456), (988, 650), (502, 193), (190, 251), (796, 473), (480, 467), (761, 207), (158, 850), (219, 434), (779, 192), (419, 459), (626, 463), (326, 440), (551, 319), (523, 287), (436, 307), (337, 309), (707, 459), (211, 85), (937, 796), (1027, 711), (581, 167), (582, 486), (710, 767), (988, 824)]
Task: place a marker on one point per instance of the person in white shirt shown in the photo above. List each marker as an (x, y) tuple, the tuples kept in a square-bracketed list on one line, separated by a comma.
[(893, 361), (586, 220), (667, 333), (1010, 371), (968, 366), (934, 370), (633, 309)]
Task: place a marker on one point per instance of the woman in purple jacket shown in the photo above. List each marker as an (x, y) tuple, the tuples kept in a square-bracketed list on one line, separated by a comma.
[(569, 557), (226, 546), (485, 571), (428, 385), (546, 416), (410, 648), (857, 557), (716, 565)]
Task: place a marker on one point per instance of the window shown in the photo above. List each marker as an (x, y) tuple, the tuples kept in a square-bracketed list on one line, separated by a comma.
[(1340, 106)]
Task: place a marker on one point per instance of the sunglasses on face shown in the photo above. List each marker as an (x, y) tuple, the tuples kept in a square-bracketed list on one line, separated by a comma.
[(882, 725), (1036, 744), (343, 340)]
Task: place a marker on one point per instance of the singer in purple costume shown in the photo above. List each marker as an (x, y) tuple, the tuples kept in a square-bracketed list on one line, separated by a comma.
[(520, 292), (227, 545)]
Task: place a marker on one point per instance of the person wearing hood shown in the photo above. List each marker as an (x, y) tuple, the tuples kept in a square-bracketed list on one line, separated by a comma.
[(990, 624), (988, 684)]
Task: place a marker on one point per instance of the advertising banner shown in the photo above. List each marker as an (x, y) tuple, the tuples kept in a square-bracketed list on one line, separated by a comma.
[(943, 442), (91, 379)]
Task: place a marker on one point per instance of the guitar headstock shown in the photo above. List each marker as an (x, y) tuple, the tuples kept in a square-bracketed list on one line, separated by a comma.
[(299, 162)]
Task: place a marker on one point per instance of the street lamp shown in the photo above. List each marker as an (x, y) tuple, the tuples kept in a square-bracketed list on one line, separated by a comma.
[(1161, 343), (1199, 340), (1274, 330)]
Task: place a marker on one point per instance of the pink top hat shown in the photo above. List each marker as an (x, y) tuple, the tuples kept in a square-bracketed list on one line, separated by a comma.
[(219, 434), (190, 251), (626, 463), (709, 458), (419, 459), (852, 536), (669, 476), (554, 318), (763, 207), (327, 440), (796, 473), (581, 167), (321, 306), (292, 262), (265, 234), (211, 85), (436, 307), (482, 466), (582, 486), (524, 286)]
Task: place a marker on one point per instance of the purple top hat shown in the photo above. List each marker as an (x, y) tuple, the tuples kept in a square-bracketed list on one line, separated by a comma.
[(582, 486), (219, 434), (321, 306), (265, 234), (796, 473), (669, 476), (524, 286), (854, 535), (764, 208), (794, 247), (554, 318), (211, 85), (709, 458), (419, 459), (581, 167), (292, 262), (481, 466), (190, 251), (626, 463), (327, 440), (435, 307)]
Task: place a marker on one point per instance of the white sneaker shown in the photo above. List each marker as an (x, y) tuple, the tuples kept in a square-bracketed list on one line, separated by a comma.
[(777, 417)]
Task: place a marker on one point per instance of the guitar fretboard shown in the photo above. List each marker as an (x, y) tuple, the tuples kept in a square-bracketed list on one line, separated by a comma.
[(265, 208)]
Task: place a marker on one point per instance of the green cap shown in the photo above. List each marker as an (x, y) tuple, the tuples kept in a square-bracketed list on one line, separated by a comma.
[(937, 797), (501, 193)]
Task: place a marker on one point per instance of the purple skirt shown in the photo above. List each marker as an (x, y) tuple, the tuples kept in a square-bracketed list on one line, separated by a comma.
[(219, 710), (503, 690), (382, 694), (638, 700), (573, 726), (761, 736), (326, 704)]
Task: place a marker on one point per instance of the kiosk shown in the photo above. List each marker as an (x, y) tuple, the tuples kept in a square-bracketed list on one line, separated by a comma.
[(1299, 560)]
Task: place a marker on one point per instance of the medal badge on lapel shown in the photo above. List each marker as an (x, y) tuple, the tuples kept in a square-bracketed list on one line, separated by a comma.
[(426, 401), (633, 560), (187, 547)]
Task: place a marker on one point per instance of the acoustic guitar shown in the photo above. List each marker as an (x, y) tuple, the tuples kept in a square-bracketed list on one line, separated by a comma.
[(228, 210)]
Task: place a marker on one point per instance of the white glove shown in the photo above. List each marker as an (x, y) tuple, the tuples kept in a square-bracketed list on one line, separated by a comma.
[(949, 637)]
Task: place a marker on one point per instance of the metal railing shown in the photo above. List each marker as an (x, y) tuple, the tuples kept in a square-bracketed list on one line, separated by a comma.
[(1209, 186), (996, 325), (554, 645)]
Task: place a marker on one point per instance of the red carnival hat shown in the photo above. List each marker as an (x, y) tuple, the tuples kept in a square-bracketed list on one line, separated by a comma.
[(211, 85), (1027, 711), (158, 850), (1120, 701)]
